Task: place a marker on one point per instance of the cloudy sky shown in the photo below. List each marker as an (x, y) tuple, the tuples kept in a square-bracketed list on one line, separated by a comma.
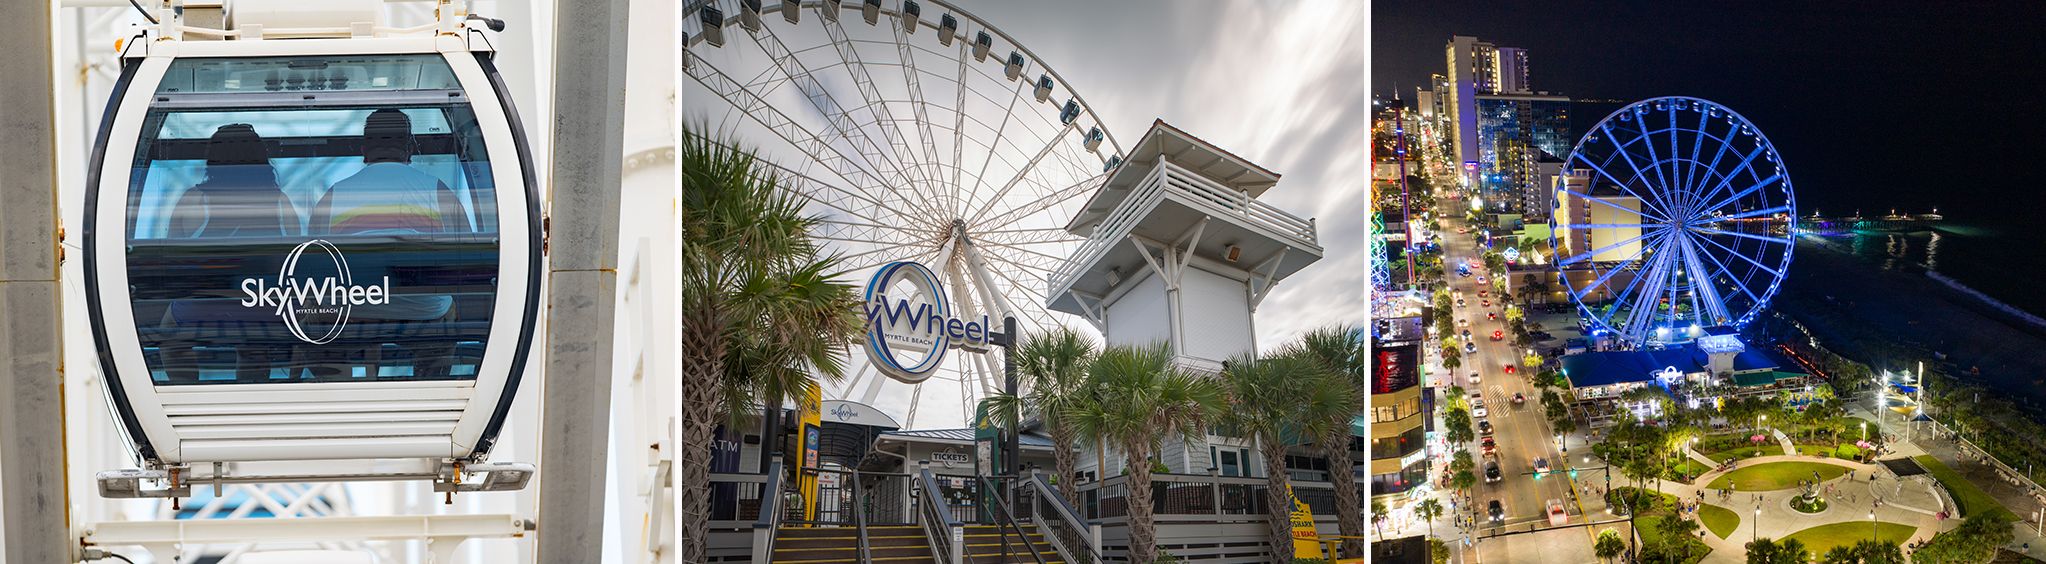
[(1278, 83)]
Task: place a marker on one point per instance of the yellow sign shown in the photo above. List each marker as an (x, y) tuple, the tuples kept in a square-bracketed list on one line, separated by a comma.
[(1306, 541), (810, 415)]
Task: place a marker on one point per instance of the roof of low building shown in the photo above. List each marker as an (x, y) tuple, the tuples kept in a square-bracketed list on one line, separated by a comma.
[(958, 437)]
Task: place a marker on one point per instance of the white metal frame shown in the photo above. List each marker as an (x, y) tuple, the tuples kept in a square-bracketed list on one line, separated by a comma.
[(480, 397)]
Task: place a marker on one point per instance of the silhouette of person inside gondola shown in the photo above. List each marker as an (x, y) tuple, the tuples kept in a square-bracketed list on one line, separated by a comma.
[(240, 198), (390, 197)]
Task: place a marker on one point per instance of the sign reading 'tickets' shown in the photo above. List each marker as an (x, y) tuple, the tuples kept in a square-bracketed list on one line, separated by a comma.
[(910, 323)]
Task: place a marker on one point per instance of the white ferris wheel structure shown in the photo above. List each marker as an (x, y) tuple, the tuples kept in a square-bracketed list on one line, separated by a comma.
[(914, 131)]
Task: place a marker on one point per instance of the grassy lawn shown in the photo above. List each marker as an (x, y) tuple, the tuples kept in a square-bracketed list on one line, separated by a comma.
[(1771, 448), (1775, 475), (1691, 468), (1822, 538), (1721, 521), (1972, 499)]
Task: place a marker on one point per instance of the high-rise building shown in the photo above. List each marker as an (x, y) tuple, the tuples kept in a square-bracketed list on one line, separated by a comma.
[(1516, 133), (1582, 202), (1510, 74), (1477, 68), (1399, 411)]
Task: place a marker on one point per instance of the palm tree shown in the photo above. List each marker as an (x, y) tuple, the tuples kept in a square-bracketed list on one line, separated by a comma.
[(1428, 510), (759, 307), (1139, 396), (1608, 545), (1265, 398), (1054, 367), (1330, 419)]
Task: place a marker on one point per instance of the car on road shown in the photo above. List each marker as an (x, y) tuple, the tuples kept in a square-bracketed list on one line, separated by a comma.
[(1485, 427), (1470, 347), (1484, 303), (1488, 445), (1463, 323), (1474, 379), (1462, 230), (1518, 398), (1492, 473), (1498, 335), (1491, 316), (1459, 302), (1509, 369), (1557, 516), (1484, 293), (1466, 333), (1481, 280), (1541, 465), (1478, 407), (1496, 512)]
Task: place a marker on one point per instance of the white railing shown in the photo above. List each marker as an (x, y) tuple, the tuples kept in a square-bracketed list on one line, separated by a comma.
[(1215, 199)]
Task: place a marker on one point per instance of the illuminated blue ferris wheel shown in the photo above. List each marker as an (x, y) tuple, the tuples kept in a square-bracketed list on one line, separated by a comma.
[(1674, 216)]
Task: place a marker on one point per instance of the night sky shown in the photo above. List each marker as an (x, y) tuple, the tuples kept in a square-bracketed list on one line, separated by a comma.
[(1910, 105)]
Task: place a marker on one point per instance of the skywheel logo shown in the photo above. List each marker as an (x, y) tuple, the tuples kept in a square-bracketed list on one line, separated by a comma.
[(910, 324), (317, 292)]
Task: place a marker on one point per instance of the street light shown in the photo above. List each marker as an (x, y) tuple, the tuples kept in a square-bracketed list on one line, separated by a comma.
[(1755, 526), (1872, 526)]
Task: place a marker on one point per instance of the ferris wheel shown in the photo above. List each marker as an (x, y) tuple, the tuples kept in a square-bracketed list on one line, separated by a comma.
[(916, 132), (1675, 216)]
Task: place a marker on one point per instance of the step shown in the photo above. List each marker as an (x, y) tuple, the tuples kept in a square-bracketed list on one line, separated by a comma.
[(891, 538), (795, 531), (845, 553)]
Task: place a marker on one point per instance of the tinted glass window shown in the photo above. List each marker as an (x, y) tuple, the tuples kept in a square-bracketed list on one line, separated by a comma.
[(311, 219)]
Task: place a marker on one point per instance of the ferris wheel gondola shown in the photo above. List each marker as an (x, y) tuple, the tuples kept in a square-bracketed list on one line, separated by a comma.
[(310, 237)]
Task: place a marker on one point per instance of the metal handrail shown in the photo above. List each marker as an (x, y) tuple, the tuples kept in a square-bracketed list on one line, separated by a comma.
[(1068, 518), (860, 519), (1003, 516), (953, 540), (769, 522)]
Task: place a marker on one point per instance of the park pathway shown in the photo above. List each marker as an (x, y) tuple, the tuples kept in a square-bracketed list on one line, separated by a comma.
[(1788, 447), (1903, 505)]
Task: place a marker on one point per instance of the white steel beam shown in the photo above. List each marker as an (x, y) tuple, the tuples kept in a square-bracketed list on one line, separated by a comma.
[(34, 526), (443, 533), (590, 40)]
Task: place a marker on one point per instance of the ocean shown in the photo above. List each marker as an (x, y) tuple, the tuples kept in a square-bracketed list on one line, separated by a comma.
[(1995, 265)]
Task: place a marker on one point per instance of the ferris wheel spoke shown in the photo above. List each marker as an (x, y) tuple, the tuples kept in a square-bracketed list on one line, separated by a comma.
[(1620, 298), (1602, 250), (1690, 180), (751, 104), (959, 122), (1012, 239), (1731, 279), (830, 194), (836, 114), (922, 111), (1654, 198), (1742, 256), (1695, 191), (1746, 165), (1742, 194), (1031, 208), (868, 259), (1032, 164), (1767, 239), (1659, 214), (863, 80), (1008, 115), (870, 233), (1714, 303), (1607, 277), (1647, 141)]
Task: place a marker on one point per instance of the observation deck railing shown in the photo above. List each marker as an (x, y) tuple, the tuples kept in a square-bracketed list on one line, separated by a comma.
[(1168, 180)]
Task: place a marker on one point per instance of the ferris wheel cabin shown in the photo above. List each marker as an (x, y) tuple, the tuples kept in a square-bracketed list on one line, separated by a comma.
[(311, 241)]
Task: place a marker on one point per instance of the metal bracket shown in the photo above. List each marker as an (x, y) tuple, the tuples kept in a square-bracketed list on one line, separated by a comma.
[(484, 477)]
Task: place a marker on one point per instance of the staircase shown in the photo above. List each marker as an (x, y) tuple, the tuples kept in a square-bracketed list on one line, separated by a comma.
[(903, 544), (821, 545), (984, 545)]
